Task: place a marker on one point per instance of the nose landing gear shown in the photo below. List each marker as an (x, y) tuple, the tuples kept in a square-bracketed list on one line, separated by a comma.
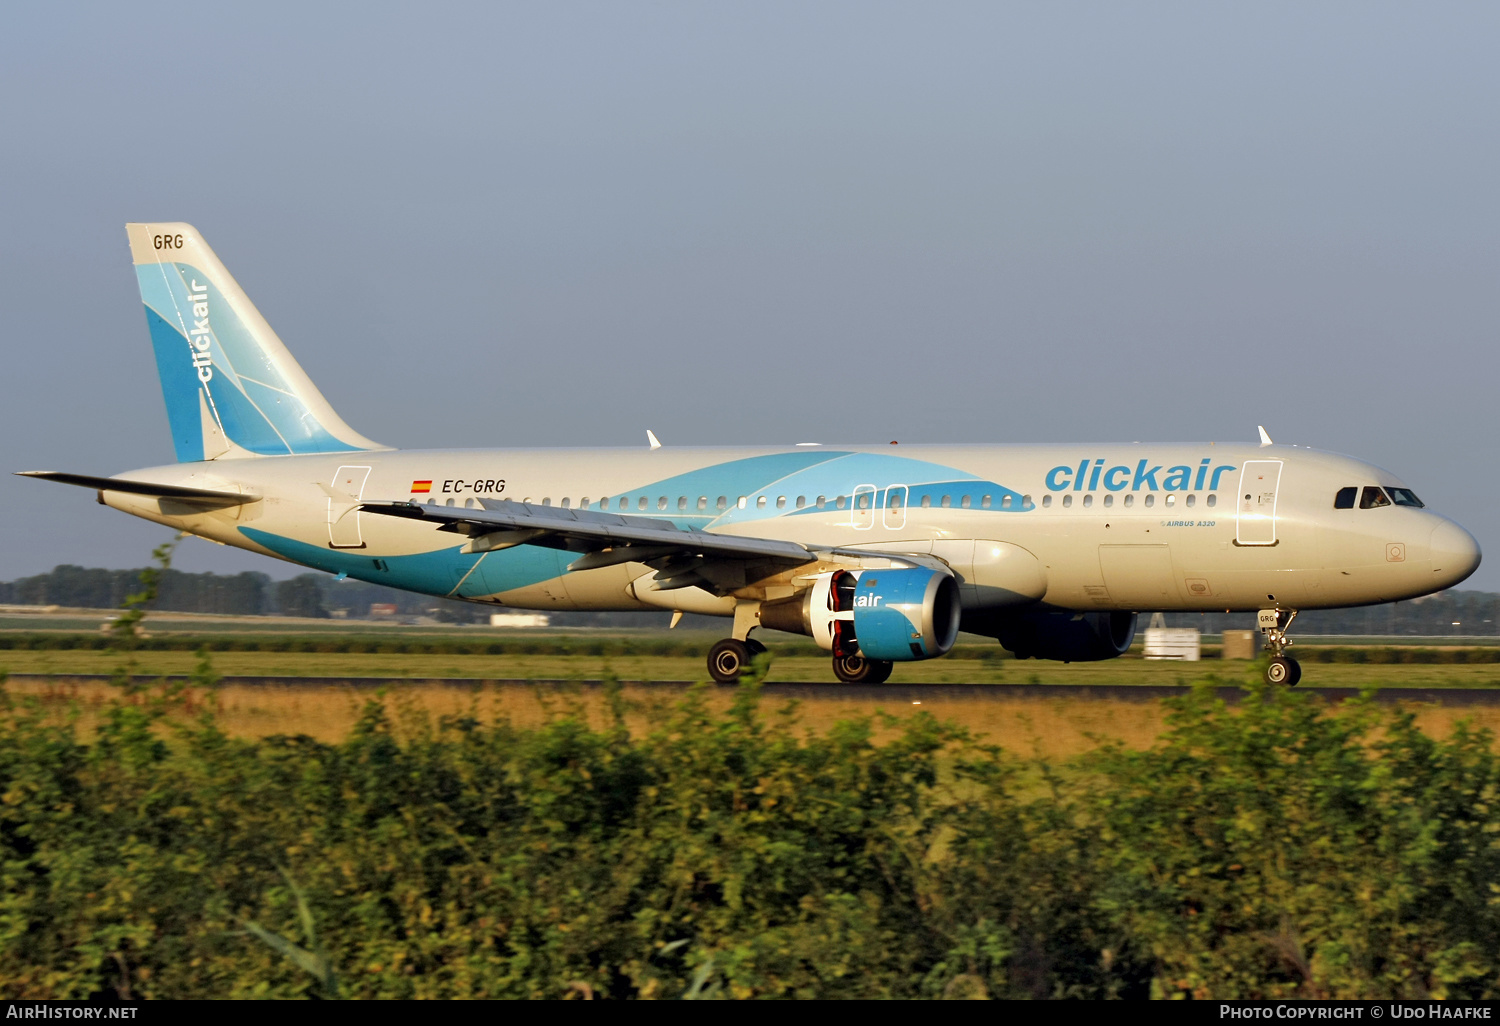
[(1274, 624)]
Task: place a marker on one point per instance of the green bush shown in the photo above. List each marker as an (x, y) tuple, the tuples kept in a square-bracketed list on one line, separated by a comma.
[(1277, 849)]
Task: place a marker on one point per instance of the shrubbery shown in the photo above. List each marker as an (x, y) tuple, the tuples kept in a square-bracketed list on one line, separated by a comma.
[(1281, 848)]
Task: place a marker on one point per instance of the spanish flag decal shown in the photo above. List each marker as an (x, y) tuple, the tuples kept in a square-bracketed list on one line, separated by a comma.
[(421, 487)]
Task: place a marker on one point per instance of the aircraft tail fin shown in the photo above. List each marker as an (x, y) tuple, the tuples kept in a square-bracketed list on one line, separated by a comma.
[(231, 387)]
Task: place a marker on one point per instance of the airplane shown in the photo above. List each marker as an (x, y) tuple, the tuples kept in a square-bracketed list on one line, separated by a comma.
[(880, 553)]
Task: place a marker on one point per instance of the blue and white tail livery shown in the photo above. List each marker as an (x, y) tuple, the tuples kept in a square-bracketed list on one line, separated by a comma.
[(232, 389), (880, 553)]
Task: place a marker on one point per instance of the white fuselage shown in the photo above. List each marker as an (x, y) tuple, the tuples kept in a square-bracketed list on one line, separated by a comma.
[(1084, 527)]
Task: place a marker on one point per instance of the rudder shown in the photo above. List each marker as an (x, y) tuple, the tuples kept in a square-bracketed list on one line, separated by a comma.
[(230, 385)]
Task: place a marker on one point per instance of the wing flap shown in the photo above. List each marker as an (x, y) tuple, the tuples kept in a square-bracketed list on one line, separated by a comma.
[(590, 532)]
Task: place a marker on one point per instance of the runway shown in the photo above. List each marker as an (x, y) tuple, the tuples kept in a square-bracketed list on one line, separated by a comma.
[(898, 694)]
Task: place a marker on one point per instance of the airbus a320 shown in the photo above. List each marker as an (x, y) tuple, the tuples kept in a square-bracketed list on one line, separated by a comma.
[(881, 553)]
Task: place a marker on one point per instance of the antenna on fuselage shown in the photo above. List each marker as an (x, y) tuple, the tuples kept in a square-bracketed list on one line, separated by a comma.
[(651, 439), (1265, 439)]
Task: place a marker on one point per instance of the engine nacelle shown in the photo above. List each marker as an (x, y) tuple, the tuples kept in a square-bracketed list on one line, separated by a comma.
[(895, 615), (1066, 636)]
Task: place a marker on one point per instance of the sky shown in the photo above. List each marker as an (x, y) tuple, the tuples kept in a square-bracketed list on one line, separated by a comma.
[(761, 223)]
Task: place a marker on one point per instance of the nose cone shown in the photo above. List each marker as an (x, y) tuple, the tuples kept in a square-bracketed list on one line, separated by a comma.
[(1455, 553)]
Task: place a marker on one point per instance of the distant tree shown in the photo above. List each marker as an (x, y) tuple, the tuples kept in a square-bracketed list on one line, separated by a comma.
[(242, 594), (301, 596), (77, 586), (459, 612)]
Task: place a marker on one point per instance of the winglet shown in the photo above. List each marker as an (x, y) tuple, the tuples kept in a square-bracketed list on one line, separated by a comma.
[(651, 438), (1265, 439)]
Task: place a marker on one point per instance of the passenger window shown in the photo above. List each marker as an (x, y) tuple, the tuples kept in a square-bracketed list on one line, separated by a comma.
[(760, 502), (567, 504), (642, 502), (682, 502), (1345, 498), (744, 501), (1405, 497), (703, 502), (1088, 500), (1026, 502), (1067, 501), (1150, 501), (984, 502), (1171, 499), (926, 502), (1130, 500), (839, 502), (781, 502), (1005, 502), (1192, 500), (624, 502), (947, 501), (547, 502), (1109, 500), (964, 502), (892, 499), (864, 500), (801, 501), (822, 502), (1373, 498), (1046, 502), (583, 503), (723, 502)]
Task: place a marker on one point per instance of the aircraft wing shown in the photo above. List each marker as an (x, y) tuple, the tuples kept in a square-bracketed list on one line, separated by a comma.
[(682, 558)]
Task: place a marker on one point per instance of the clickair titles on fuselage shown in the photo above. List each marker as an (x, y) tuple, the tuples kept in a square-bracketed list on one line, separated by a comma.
[(1091, 474)]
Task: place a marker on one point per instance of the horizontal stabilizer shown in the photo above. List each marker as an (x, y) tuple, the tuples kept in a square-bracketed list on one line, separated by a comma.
[(163, 491)]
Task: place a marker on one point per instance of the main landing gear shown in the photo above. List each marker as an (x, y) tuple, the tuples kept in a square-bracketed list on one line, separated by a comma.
[(1274, 624), (856, 669), (730, 658)]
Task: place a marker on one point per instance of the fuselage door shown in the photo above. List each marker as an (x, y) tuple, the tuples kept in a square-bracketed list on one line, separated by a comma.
[(893, 512), (862, 507), (1255, 522), (343, 496)]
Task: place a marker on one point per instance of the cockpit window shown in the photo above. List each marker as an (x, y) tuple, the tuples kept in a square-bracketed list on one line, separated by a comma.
[(1405, 497), (1372, 498), (1345, 498)]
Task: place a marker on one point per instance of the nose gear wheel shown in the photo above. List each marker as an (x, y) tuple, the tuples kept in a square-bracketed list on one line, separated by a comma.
[(1282, 670)]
